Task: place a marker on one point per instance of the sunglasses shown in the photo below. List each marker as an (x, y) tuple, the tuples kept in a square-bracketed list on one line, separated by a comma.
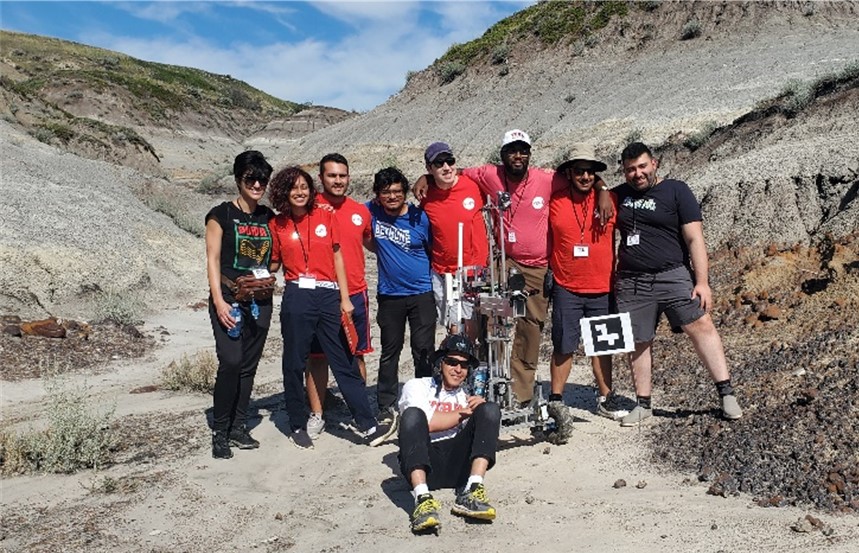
[(579, 171), (453, 362), (439, 163), (250, 180)]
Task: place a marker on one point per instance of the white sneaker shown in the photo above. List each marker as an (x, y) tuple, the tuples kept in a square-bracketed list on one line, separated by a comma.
[(315, 425)]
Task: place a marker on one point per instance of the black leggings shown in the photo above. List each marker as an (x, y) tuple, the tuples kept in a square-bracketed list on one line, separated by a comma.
[(238, 359), (448, 462)]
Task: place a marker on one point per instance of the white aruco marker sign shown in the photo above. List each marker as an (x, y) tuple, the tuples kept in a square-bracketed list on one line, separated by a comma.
[(607, 335)]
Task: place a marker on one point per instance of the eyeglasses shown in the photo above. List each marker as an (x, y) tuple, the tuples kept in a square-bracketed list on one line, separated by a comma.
[(439, 163), (579, 171), (453, 362), (391, 193), (251, 180)]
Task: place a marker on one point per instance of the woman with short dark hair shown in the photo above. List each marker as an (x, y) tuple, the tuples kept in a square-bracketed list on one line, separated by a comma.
[(238, 246)]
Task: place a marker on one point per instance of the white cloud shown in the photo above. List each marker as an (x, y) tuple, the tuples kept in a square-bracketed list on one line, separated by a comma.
[(357, 70)]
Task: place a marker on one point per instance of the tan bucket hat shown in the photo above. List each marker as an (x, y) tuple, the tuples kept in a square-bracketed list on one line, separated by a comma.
[(581, 151)]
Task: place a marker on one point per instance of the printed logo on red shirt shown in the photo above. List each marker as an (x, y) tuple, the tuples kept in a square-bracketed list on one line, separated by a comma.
[(357, 220), (537, 202), (321, 231), (468, 203)]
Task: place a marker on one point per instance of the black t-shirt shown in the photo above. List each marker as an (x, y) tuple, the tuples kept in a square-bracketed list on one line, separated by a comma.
[(657, 215), (246, 243)]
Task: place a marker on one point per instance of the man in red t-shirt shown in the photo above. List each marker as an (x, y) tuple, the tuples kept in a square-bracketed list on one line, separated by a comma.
[(582, 261), (353, 218), (453, 199)]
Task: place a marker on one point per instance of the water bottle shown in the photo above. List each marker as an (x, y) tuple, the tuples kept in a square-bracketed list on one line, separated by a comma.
[(236, 314), (479, 380)]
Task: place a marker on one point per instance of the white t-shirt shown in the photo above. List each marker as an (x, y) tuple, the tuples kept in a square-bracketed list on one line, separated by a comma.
[(421, 393)]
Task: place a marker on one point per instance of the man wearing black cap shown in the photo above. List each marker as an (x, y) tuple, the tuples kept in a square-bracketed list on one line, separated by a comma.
[(453, 200), (448, 438)]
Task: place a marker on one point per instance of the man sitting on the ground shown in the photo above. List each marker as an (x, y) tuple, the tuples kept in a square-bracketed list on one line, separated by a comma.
[(448, 438)]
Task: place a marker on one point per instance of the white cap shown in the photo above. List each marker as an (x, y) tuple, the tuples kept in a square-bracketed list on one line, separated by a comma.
[(515, 136)]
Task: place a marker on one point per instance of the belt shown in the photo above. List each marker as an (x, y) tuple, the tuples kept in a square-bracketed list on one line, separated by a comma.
[(320, 284)]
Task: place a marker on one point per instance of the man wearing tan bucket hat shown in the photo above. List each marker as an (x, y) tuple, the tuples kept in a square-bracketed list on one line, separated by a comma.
[(582, 260)]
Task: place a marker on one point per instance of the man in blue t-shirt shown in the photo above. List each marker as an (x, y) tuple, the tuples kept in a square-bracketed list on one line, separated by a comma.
[(662, 267), (401, 240)]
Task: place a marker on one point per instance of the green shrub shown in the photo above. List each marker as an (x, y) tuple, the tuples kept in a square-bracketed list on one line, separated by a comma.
[(500, 54), (215, 184), (692, 29), (191, 374), (700, 137), (494, 156), (120, 307), (633, 135), (798, 95), (449, 70), (76, 437)]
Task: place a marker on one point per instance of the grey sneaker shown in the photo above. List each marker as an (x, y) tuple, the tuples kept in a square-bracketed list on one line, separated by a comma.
[(731, 408), (637, 416), (473, 503), (425, 516), (301, 439), (387, 424), (315, 425), (609, 407)]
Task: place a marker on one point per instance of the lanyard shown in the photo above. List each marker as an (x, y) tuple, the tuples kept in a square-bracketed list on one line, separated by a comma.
[(584, 220), (521, 187), (304, 252)]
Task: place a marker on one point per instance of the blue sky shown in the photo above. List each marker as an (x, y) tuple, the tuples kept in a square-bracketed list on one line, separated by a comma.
[(352, 55)]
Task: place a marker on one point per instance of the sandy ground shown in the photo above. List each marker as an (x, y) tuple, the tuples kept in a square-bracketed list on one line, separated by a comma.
[(342, 496)]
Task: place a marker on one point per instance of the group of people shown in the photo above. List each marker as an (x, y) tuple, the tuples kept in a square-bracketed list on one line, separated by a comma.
[(590, 251)]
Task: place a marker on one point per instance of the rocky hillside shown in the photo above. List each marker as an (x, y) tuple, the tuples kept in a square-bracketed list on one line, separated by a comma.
[(664, 72), (165, 120)]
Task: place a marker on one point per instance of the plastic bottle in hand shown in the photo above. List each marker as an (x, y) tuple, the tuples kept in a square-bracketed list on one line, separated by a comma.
[(236, 314)]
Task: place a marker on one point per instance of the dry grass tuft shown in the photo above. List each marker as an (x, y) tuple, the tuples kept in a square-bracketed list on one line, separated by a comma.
[(191, 374)]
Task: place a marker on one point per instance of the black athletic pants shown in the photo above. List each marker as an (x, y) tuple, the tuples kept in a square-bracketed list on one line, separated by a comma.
[(238, 359), (392, 314), (448, 462)]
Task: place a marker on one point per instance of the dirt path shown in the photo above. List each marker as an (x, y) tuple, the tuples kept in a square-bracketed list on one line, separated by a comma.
[(342, 496)]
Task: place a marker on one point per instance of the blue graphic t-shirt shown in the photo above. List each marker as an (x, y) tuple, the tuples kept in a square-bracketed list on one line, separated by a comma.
[(402, 251)]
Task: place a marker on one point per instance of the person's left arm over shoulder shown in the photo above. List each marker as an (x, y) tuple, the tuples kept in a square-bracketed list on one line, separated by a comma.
[(693, 235)]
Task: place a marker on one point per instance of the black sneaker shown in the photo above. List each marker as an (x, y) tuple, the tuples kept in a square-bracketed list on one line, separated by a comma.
[(241, 438), (221, 445), (473, 503), (301, 439), (425, 516), (387, 424), (609, 407)]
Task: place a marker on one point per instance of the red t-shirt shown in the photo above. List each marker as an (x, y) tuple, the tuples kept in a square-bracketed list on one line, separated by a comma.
[(570, 218), (445, 210), (305, 245), (353, 218)]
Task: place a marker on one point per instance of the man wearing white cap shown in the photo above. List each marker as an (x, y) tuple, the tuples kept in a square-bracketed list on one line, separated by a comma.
[(526, 226)]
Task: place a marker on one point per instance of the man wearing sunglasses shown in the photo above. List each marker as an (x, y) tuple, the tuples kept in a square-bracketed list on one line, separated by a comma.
[(453, 199), (582, 261), (448, 438), (526, 228)]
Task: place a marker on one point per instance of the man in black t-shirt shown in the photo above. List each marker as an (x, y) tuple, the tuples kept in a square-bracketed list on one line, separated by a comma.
[(662, 268)]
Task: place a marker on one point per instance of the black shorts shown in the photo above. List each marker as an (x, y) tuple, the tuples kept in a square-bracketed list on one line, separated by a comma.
[(568, 308)]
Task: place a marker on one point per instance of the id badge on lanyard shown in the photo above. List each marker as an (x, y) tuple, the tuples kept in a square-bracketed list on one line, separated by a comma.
[(307, 280), (580, 250), (633, 239)]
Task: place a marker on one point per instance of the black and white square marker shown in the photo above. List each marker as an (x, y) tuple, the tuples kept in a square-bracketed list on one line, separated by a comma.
[(607, 335)]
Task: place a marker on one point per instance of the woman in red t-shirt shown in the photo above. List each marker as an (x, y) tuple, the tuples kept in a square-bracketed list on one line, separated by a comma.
[(306, 243)]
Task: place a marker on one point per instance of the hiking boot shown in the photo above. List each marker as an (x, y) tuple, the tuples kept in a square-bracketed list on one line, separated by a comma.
[(731, 409), (386, 426), (315, 425), (221, 445), (301, 439), (563, 418), (425, 516), (609, 407), (242, 439), (637, 416), (473, 504)]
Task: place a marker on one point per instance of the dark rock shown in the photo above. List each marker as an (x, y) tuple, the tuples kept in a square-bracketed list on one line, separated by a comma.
[(620, 483)]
